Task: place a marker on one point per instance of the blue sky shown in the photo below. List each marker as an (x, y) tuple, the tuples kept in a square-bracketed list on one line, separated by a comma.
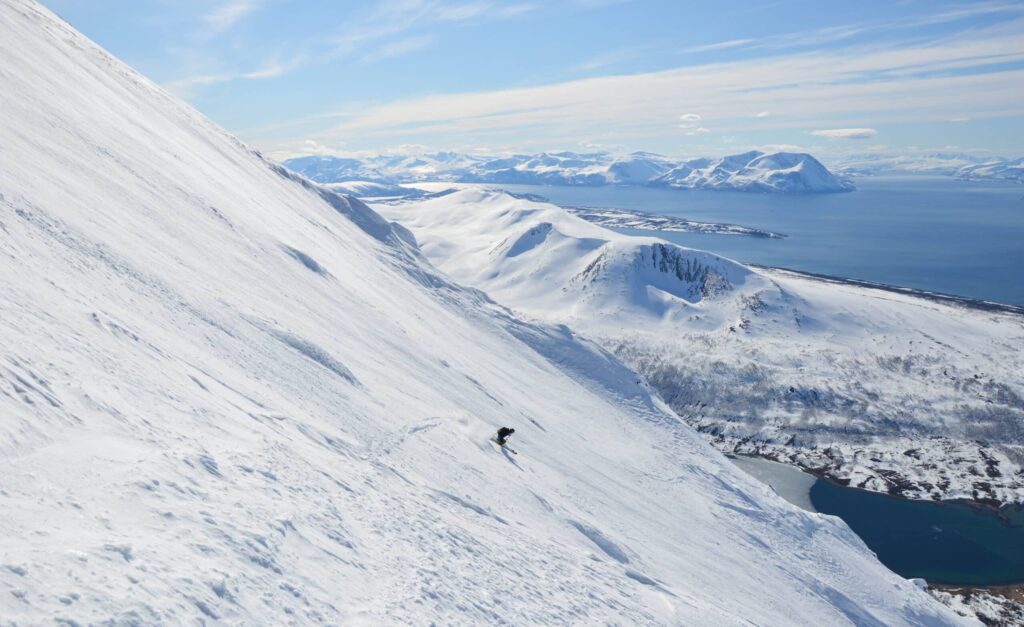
[(681, 78)]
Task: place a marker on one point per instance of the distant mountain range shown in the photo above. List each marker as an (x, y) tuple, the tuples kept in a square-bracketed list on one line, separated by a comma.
[(779, 172), (1000, 170), (956, 164), (755, 171)]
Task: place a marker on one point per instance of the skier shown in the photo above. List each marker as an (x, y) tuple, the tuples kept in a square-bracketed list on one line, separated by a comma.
[(503, 435)]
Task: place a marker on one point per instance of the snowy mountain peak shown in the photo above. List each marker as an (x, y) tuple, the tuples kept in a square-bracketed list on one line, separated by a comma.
[(637, 169), (686, 274), (573, 268), (755, 171), (655, 278), (733, 163)]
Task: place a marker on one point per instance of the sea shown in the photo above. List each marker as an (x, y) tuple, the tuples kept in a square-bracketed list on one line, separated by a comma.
[(954, 543)]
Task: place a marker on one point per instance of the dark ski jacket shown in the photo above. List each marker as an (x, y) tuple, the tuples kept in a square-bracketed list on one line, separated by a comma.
[(503, 434)]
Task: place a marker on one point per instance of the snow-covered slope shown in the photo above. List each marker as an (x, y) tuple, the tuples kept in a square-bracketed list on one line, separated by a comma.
[(637, 168), (752, 171), (887, 391), (755, 171), (227, 395)]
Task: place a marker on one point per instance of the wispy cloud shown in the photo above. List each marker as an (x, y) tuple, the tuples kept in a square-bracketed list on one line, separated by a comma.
[(802, 39), (383, 30), (400, 47), (272, 69), (846, 133), (721, 45), (850, 87), (840, 33), (507, 11), (593, 4), (226, 15), (971, 10), (612, 57), (375, 31), (462, 12)]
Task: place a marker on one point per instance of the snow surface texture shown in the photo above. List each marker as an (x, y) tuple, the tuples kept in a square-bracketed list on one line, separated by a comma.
[(878, 389), (749, 172), (227, 395)]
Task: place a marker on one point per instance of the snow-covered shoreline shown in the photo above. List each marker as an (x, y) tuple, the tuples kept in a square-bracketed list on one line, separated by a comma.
[(939, 297), (643, 221)]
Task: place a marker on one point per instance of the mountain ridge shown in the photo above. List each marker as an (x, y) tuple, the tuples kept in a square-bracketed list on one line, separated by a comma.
[(753, 171)]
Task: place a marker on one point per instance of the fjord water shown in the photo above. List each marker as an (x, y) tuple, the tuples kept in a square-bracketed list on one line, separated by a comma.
[(952, 543), (926, 232)]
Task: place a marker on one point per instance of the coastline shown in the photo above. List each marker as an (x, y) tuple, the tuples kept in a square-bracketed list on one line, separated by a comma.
[(938, 297)]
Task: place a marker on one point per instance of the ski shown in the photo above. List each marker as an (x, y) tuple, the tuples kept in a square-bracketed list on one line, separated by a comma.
[(505, 446)]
